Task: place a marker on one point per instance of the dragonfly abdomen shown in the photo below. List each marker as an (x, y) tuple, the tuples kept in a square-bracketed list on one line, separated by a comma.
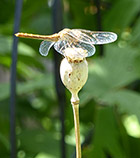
[(53, 37)]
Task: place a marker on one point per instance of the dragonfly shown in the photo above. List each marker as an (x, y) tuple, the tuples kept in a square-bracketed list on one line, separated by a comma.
[(72, 38)]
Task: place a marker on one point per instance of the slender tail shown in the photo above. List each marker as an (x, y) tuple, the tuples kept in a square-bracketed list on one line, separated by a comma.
[(53, 37)]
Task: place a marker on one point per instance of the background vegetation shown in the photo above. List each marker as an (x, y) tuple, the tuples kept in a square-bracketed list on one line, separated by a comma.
[(110, 100)]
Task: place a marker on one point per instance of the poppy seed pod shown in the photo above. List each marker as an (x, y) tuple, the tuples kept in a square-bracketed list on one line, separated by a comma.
[(74, 72)]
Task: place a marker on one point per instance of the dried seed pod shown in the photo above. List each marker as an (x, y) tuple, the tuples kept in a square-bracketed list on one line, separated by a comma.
[(74, 72)]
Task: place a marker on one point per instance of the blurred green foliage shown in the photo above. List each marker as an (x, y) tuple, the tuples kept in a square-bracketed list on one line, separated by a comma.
[(109, 99)]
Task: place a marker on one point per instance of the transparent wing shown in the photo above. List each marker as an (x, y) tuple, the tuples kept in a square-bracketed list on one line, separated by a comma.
[(45, 47), (61, 45), (93, 37)]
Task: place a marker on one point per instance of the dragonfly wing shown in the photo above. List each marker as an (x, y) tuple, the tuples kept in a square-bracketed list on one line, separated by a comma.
[(61, 45), (89, 48), (93, 37), (45, 47)]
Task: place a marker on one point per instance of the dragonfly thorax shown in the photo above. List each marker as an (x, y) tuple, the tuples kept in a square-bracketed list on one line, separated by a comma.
[(63, 32)]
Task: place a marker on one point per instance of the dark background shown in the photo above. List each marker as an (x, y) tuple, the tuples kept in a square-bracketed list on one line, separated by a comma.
[(110, 100)]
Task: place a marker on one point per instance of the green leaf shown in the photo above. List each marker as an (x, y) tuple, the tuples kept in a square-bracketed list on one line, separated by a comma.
[(42, 82), (127, 100), (5, 142), (137, 64), (118, 17), (107, 135), (135, 34), (36, 141), (108, 78), (135, 146), (112, 72), (39, 141), (4, 91)]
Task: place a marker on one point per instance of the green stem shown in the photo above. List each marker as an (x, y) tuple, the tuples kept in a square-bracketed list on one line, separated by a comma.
[(77, 129)]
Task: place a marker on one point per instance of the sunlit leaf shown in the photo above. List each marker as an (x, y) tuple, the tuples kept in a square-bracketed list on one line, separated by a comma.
[(111, 73)]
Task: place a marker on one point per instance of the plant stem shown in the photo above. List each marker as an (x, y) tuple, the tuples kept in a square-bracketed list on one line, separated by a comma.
[(77, 129)]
